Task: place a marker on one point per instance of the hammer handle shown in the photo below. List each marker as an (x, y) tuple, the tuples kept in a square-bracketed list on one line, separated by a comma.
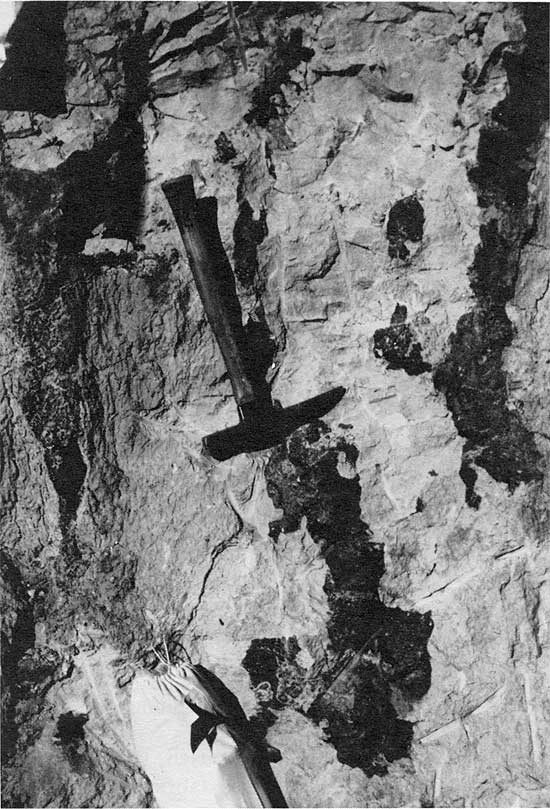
[(197, 222)]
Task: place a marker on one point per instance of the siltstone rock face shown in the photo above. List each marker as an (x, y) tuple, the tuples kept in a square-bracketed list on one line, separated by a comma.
[(374, 590)]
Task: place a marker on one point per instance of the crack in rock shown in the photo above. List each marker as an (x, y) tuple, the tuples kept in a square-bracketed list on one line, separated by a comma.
[(396, 345), (33, 76), (472, 376)]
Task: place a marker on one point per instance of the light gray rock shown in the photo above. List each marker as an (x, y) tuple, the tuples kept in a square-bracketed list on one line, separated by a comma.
[(306, 578)]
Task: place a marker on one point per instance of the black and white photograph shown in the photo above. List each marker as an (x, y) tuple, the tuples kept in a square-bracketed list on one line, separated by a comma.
[(274, 404)]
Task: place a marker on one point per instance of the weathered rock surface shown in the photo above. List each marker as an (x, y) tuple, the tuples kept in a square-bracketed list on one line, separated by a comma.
[(376, 590)]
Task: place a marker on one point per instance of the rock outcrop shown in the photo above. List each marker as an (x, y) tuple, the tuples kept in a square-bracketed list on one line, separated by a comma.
[(375, 590)]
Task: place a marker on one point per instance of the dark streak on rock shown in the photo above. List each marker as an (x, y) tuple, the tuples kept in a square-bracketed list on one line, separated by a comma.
[(351, 70), (68, 476), (50, 299), (33, 76), (46, 219), (181, 27), (105, 184), (284, 9), (28, 673), (468, 476), (472, 375), (269, 161), (375, 651), (395, 344), (253, 16), (399, 98), (267, 98), (225, 151), (260, 348), (215, 37), (248, 233), (405, 223), (272, 662), (15, 643), (493, 59), (71, 737)]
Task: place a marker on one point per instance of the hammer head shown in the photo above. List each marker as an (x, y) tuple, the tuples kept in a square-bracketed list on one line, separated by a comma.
[(265, 425)]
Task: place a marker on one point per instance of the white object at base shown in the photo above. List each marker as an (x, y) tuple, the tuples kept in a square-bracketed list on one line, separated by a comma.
[(161, 726)]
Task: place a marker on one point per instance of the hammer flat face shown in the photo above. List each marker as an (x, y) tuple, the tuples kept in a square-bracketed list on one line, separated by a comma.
[(269, 426)]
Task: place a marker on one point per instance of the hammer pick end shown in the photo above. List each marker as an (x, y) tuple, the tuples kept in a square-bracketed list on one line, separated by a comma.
[(269, 426)]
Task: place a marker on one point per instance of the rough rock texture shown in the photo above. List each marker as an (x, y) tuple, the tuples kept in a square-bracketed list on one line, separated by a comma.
[(375, 590)]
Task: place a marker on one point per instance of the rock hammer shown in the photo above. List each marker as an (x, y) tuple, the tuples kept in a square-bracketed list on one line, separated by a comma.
[(263, 422)]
